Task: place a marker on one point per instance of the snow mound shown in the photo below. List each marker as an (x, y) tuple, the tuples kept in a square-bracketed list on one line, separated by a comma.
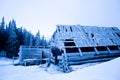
[(105, 71)]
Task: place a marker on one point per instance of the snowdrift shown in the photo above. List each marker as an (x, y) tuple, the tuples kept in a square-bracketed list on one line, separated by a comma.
[(105, 71)]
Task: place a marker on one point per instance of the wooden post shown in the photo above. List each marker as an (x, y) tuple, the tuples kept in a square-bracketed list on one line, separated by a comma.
[(118, 47), (80, 52), (96, 50), (64, 62), (108, 49)]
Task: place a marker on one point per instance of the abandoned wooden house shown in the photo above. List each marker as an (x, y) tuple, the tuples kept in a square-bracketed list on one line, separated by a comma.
[(33, 54), (82, 44)]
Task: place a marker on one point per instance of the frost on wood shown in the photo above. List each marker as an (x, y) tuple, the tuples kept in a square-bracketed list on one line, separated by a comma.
[(84, 43), (32, 54), (87, 35)]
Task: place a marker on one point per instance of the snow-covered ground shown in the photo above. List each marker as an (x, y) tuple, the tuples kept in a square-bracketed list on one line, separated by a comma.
[(105, 71)]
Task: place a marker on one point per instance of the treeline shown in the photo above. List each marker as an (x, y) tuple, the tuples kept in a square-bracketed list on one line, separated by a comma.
[(12, 37)]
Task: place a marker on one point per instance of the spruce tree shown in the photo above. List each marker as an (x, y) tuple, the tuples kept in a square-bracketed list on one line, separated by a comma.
[(31, 40), (26, 37), (43, 41), (37, 39), (3, 36), (11, 38), (12, 42)]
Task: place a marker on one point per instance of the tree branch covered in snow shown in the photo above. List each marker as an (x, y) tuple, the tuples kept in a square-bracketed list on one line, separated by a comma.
[(12, 37)]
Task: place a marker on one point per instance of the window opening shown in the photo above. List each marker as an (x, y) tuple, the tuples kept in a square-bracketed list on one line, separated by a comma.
[(101, 48), (87, 49), (113, 47), (72, 50), (69, 43), (68, 39)]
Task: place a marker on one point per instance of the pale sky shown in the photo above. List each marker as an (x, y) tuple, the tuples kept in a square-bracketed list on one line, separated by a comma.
[(44, 15)]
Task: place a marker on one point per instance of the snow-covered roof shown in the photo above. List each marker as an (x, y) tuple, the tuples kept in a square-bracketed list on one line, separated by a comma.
[(84, 36)]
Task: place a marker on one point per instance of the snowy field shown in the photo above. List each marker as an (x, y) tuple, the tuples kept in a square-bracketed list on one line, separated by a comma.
[(104, 71)]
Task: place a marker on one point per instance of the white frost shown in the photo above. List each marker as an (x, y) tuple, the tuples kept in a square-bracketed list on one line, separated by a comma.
[(105, 71)]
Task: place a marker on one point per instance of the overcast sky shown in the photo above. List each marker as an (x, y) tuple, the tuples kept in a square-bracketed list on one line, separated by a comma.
[(46, 14)]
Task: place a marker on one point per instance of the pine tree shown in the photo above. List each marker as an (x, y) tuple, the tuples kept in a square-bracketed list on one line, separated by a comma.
[(12, 42), (12, 37), (26, 37), (37, 39), (3, 36), (31, 40), (2, 26), (19, 33), (43, 41)]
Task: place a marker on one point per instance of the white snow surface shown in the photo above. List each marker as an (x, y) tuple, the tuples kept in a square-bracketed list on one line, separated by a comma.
[(109, 70)]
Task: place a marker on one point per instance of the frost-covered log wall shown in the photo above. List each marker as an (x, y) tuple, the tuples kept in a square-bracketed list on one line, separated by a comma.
[(33, 53)]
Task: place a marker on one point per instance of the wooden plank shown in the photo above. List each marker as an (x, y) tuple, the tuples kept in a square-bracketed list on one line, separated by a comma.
[(89, 61)]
